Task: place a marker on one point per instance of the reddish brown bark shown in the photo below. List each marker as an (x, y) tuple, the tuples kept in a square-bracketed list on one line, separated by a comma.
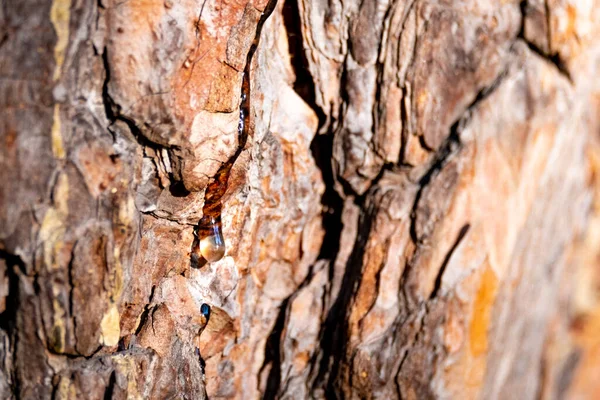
[(409, 206)]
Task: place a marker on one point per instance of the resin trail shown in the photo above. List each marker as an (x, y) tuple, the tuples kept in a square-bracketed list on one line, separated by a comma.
[(209, 244)]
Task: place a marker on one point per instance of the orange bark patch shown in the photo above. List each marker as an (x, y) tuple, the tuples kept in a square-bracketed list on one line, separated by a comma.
[(367, 293), (586, 337), (224, 90), (482, 307)]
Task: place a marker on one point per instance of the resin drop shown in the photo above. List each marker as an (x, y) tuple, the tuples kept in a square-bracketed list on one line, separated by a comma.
[(212, 246)]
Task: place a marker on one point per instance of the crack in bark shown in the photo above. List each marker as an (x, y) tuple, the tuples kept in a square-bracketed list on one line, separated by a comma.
[(410, 346), (113, 114), (333, 338), (304, 84), (451, 146), (110, 387), (551, 57), (273, 353), (70, 267), (8, 318), (216, 189), (555, 59), (148, 309), (438, 280), (273, 344)]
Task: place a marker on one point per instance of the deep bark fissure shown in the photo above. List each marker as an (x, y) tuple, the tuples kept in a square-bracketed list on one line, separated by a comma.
[(333, 338), (331, 202), (273, 344), (70, 267), (304, 84), (8, 318), (273, 353), (438, 279), (552, 57), (110, 386), (555, 59), (114, 113), (146, 314), (450, 146)]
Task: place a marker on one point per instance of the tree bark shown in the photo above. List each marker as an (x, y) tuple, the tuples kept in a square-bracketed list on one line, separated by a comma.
[(408, 191)]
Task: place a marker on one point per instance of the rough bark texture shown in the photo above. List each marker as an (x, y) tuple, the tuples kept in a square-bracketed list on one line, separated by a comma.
[(410, 202)]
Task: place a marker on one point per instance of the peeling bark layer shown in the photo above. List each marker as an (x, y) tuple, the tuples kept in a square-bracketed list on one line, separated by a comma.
[(408, 193)]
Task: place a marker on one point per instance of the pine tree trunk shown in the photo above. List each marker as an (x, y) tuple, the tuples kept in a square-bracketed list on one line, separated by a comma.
[(408, 191)]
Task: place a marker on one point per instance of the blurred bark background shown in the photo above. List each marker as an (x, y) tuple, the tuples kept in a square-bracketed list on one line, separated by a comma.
[(415, 213)]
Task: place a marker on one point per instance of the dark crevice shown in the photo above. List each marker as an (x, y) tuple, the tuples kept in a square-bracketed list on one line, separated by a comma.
[(334, 336), (400, 365), (114, 113), (273, 344), (438, 279), (304, 84), (146, 313), (70, 268), (106, 99), (451, 145), (424, 144), (143, 319), (553, 58), (70, 276), (110, 387), (3, 39), (8, 318), (177, 188), (331, 202), (273, 353), (77, 356)]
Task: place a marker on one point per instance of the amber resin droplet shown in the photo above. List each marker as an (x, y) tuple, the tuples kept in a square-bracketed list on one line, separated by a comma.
[(212, 245)]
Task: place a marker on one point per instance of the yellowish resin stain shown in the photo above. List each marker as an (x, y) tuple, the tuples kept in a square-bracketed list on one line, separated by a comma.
[(60, 14), (57, 143), (58, 333), (65, 390), (126, 366), (482, 308), (116, 276), (110, 327), (53, 228)]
